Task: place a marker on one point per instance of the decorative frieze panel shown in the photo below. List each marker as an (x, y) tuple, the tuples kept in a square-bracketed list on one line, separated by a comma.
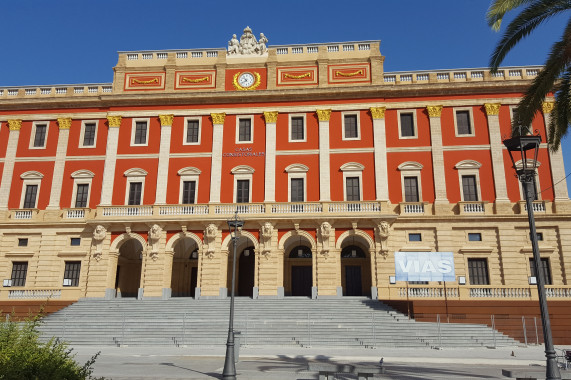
[(144, 81), (354, 73), (185, 80), (296, 76)]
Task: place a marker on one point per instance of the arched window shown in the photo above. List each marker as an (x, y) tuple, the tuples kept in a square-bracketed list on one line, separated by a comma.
[(300, 252), (352, 251)]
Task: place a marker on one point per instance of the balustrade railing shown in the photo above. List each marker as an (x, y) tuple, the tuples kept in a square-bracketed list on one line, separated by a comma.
[(554, 292), (128, 211), (295, 208), (23, 214), (34, 294), (500, 292), (355, 207), (184, 210), (74, 213), (241, 208), (412, 208), (428, 292), (473, 207), (536, 206)]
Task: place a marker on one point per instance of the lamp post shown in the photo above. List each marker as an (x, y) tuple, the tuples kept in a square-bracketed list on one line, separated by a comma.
[(229, 371), (529, 145)]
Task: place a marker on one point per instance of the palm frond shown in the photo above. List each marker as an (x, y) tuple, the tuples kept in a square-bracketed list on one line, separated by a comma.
[(529, 19), (499, 8), (561, 114)]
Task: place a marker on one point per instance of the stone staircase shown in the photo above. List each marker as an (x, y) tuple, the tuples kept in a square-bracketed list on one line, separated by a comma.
[(341, 322)]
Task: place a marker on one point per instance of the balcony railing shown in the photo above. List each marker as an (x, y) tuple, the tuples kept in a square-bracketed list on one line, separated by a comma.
[(296, 208), (74, 213), (412, 208), (24, 214), (508, 292), (472, 207), (536, 206), (184, 210), (470, 292), (128, 211), (34, 294), (355, 207), (241, 208)]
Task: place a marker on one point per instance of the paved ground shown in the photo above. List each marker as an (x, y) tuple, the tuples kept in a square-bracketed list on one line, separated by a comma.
[(288, 363)]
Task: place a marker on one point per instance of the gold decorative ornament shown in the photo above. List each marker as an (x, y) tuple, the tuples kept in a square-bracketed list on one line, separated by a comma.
[(14, 124), (137, 81), (166, 120), (342, 74), (246, 77), (197, 80), (114, 121), (64, 122), (218, 118), (434, 111), (323, 115), (378, 112), (547, 107), (492, 109), (306, 75), (271, 116)]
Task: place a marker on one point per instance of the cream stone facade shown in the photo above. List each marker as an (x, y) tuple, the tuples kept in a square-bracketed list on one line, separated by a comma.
[(332, 163)]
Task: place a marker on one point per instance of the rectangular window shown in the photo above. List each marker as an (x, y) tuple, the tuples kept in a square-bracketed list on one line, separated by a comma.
[(40, 137), (415, 237), (469, 188), (81, 195), (140, 132), (71, 273), (30, 197), (411, 189), (19, 272), (89, 134), (351, 131), (463, 123), (188, 191), (297, 128), (407, 124), (478, 271), (297, 190), (545, 270), (243, 191), (352, 187), (539, 236), (192, 128), (474, 236), (245, 130), (22, 242), (75, 242), (135, 189)]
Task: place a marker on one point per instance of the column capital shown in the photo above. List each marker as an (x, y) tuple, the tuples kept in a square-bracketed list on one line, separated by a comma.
[(166, 120), (114, 121), (14, 124), (434, 111), (64, 122), (323, 115), (492, 109), (378, 112), (218, 118), (547, 107), (271, 116)]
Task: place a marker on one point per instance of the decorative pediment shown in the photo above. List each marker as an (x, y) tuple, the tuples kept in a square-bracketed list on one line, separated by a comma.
[(32, 174), (297, 168), (468, 164), (189, 171), (529, 162), (83, 173), (243, 169), (135, 172), (410, 165), (352, 167)]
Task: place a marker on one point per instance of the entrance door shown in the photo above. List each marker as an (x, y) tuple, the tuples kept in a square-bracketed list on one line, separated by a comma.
[(246, 268), (301, 280), (353, 280), (193, 278)]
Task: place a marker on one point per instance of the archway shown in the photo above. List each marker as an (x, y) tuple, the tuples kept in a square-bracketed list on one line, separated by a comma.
[(129, 265), (246, 273), (355, 267), (184, 268), (299, 266)]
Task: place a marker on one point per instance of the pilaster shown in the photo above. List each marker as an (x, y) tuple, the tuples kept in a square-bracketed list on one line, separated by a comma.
[(14, 127), (59, 165), (441, 203), (503, 205), (162, 174), (380, 146), (270, 175), (324, 170), (216, 164), (110, 159)]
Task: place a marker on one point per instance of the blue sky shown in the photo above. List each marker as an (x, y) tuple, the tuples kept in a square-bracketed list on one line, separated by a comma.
[(76, 41)]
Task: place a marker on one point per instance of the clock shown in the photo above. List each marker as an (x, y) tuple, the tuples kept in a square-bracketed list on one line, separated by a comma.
[(246, 80)]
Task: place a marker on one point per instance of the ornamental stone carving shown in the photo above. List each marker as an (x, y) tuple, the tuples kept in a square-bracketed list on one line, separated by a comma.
[(166, 120), (209, 239), (323, 115), (154, 238), (114, 121), (64, 122), (434, 111), (492, 109), (378, 112), (14, 124), (383, 231), (247, 45), (99, 235), (218, 118), (547, 107), (267, 231), (271, 116), (324, 234)]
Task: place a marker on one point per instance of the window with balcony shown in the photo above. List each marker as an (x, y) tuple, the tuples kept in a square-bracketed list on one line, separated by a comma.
[(352, 181), (469, 177), (19, 273), (411, 189), (82, 195), (30, 189), (188, 192), (297, 178), (242, 191), (188, 185), (71, 273), (478, 271), (353, 189), (135, 186), (30, 198), (545, 270), (82, 184), (297, 190), (410, 180), (243, 183), (469, 188), (135, 193)]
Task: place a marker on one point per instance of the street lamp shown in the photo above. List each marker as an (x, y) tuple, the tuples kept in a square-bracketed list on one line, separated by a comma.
[(527, 148), (229, 371)]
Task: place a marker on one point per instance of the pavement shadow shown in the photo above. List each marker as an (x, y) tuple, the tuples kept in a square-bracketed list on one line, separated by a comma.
[(213, 375), (414, 372)]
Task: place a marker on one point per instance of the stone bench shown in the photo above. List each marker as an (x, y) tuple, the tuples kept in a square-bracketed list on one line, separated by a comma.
[(328, 370)]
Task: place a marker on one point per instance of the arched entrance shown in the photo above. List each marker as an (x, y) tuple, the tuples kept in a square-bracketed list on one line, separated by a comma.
[(129, 265), (355, 271), (300, 270), (246, 272), (184, 268)]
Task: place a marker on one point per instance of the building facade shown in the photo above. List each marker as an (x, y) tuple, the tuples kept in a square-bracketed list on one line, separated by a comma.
[(124, 189)]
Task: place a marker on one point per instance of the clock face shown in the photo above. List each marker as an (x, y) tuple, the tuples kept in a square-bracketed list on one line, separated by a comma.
[(246, 80)]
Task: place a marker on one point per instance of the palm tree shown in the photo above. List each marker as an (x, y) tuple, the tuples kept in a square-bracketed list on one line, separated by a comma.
[(556, 73)]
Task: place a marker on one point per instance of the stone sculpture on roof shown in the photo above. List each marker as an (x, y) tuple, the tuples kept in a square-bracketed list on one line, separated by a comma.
[(248, 45)]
